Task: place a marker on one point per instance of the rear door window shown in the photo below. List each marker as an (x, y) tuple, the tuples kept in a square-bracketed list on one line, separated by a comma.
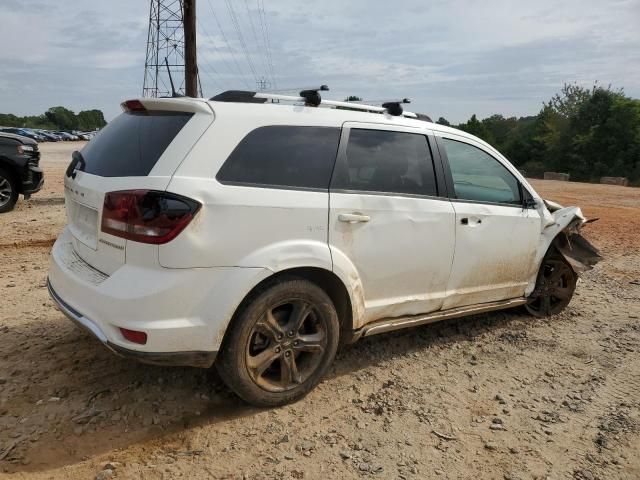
[(283, 156), (387, 162), (131, 144), (478, 176)]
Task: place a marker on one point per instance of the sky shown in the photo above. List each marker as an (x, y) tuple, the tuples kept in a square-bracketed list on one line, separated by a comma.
[(451, 58)]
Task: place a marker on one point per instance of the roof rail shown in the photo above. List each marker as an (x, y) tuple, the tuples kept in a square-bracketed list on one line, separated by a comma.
[(311, 97)]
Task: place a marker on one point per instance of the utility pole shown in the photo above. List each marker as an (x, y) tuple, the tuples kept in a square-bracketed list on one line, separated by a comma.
[(169, 23), (190, 55)]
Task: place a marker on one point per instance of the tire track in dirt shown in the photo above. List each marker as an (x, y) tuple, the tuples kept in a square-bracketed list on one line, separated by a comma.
[(40, 243), (610, 390)]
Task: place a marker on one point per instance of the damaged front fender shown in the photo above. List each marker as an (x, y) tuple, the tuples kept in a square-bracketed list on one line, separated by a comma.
[(562, 231)]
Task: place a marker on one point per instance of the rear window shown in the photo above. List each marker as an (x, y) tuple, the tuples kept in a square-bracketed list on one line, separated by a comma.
[(131, 144), (283, 156)]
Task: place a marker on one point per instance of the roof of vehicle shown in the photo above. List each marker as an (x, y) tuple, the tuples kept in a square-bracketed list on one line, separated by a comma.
[(19, 138), (299, 114), (248, 116)]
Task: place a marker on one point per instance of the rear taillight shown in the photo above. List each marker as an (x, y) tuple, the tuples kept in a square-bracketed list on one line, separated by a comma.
[(146, 216)]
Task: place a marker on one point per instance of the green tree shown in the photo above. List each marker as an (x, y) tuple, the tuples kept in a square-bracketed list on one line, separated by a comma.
[(498, 128), (62, 118), (569, 100), (475, 127), (56, 118), (443, 121), (603, 137), (89, 120)]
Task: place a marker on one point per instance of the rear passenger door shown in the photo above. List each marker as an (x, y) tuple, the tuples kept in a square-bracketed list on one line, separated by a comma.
[(389, 219)]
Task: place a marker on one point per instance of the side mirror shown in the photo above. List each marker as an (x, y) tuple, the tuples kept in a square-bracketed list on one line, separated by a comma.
[(529, 203)]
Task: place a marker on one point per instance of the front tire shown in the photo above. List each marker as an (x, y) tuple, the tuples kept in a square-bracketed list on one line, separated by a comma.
[(554, 289), (280, 344), (8, 191)]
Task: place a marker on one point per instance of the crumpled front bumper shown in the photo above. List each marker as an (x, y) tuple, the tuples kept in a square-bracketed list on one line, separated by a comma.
[(576, 249)]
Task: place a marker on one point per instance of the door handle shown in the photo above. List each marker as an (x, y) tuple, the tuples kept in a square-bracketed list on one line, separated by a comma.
[(353, 217), (465, 221)]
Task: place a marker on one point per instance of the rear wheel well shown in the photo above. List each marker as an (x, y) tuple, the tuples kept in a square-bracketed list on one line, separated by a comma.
[(325, 279)]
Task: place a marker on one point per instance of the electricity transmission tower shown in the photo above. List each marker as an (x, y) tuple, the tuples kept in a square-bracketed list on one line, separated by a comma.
[(171, 47), (263, 83)]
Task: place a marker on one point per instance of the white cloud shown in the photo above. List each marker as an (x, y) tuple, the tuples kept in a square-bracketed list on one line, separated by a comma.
[(452, 57)]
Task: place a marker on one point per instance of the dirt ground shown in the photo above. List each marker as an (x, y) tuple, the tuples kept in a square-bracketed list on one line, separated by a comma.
[(495, 396)]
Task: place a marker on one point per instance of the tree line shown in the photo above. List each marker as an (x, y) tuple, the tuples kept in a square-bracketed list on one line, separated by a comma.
[(586, 132), (57, 118)]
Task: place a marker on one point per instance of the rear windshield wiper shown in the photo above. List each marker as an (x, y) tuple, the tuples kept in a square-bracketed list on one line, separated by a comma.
[(77, 164)]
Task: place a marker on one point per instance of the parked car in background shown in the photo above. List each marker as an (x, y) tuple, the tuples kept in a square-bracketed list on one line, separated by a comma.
[(83, 135), (258, 236), (49, 136), (20, 172), (67, 136), (25, 132)]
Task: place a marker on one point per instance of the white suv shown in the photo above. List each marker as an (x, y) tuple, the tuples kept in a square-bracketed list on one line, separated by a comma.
[(260, 235)]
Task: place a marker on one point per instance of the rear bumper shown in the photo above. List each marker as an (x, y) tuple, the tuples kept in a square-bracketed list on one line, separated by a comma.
[(184, 312), (187, 359)]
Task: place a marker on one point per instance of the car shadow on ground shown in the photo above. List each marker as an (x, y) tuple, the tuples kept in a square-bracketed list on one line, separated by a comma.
[(81, 400)]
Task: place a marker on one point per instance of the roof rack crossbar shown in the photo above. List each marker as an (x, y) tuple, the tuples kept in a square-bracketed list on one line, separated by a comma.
[(321, 88), (331, 103), (380, 102)]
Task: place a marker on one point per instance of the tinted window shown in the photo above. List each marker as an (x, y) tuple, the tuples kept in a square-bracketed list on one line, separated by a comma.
[(283, 156), (479, 176), (131, 144), (392, 162)]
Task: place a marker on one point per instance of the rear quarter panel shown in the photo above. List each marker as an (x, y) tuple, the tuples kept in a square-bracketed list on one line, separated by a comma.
[(247, 226), (250, 227)]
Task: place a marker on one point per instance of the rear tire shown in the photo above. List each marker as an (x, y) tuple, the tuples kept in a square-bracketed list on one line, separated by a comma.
[(8, 191), (555, 286), (280, 344)]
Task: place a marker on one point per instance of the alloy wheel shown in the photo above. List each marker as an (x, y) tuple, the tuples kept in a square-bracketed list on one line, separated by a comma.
[(554, 288), (6, 191), (286, 346)]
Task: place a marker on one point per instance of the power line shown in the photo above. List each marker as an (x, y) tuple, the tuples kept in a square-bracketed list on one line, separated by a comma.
[(236, 24), (208, 73), (215, 47), (265, 33), (255, 37), (226, 41)]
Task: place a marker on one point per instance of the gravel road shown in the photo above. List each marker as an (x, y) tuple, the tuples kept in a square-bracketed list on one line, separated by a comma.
[(494, 396)]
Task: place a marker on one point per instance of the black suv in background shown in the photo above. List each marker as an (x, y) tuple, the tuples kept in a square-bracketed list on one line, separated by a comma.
[(20, 172)]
